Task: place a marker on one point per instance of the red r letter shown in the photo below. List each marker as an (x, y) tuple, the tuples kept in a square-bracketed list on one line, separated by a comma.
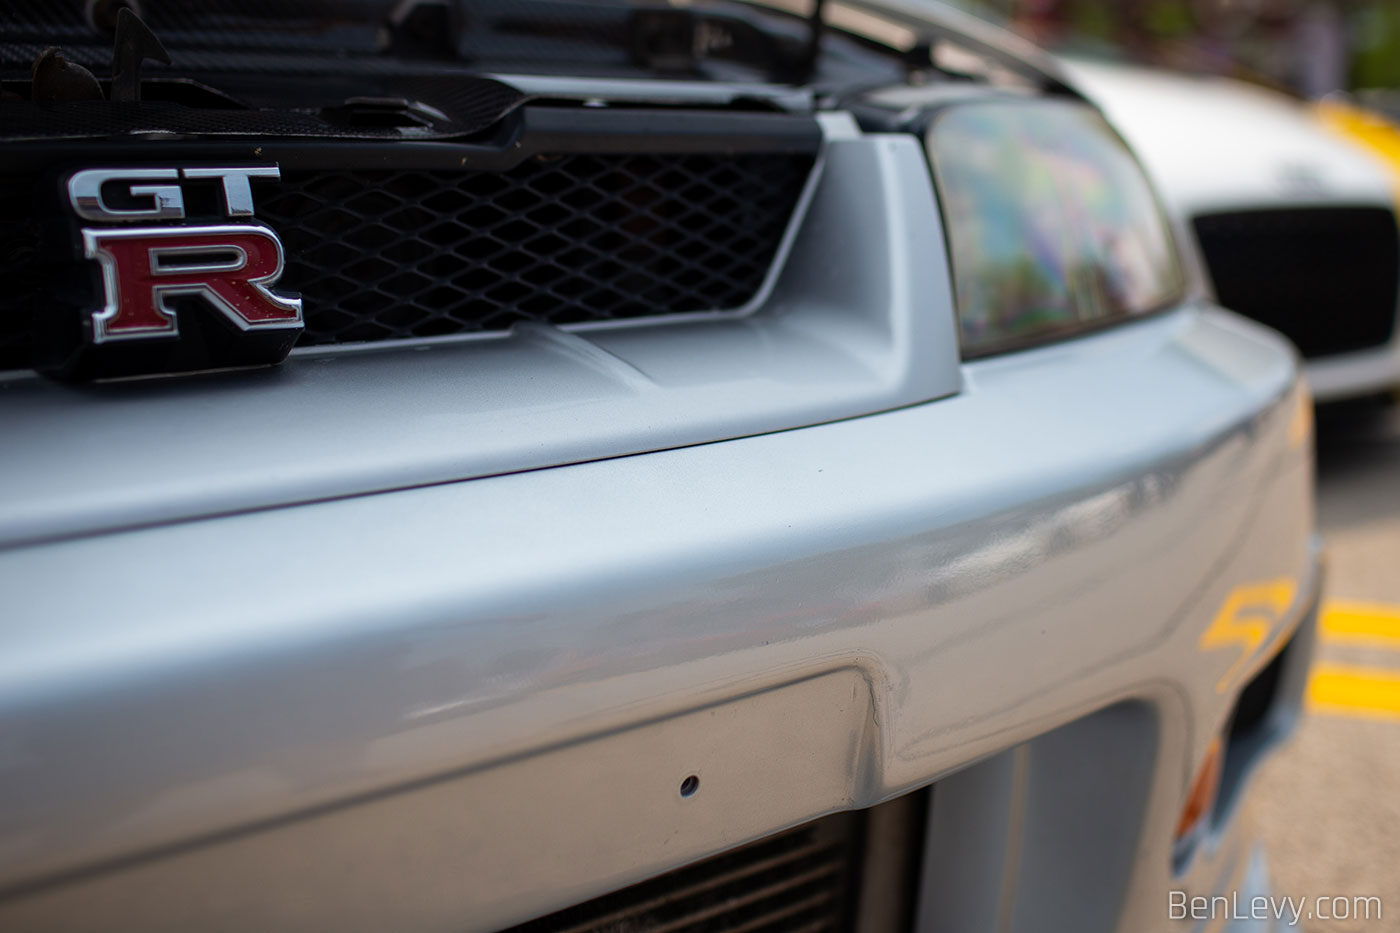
[(229, 267)]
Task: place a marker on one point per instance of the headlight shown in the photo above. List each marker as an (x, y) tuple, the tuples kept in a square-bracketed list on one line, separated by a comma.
[(1052, 226)]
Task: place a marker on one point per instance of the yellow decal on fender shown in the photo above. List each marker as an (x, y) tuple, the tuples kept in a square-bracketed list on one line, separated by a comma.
[(1300, 426), (1246, 618)]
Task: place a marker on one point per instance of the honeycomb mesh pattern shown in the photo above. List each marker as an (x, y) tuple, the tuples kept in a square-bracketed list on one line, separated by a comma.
[(387, 255), (406, 254)]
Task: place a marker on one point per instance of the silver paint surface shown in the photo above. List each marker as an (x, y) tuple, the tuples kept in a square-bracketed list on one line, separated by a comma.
[(457, 706)]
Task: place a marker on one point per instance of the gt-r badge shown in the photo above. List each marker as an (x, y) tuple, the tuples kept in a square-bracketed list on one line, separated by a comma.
[(178, 275)]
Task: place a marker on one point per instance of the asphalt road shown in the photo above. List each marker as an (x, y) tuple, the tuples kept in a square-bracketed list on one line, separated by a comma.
[(1329, 803)]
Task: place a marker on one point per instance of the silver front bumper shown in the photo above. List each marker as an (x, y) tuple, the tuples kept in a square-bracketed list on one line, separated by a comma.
[(462, 705)]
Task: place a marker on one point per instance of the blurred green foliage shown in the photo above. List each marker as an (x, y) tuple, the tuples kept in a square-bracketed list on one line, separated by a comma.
[(1375, 35), (1264, 40)]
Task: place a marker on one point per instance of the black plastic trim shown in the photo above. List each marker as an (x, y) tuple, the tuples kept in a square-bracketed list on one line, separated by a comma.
[(532, 131)]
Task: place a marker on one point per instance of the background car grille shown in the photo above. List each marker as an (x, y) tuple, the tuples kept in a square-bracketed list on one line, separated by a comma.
[(1325, 277), (801, 880), (561, 239)]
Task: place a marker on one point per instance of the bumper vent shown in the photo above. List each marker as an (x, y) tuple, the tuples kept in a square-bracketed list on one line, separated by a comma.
[(802, 880), (1325, 277)]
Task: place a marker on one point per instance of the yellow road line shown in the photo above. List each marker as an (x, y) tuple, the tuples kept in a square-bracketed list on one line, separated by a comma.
[(1354, 691), (1356, 623)]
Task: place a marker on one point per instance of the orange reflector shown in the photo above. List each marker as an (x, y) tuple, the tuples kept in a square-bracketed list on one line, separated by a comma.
[(1202, 797)]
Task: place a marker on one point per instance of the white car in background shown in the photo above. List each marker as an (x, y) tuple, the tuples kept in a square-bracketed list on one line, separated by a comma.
[(1279, 218)]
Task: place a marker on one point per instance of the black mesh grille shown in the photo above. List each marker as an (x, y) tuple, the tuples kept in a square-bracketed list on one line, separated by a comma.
[(1325, 277), (564, 240), (802, 880), (383, 255), (18, 239)]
